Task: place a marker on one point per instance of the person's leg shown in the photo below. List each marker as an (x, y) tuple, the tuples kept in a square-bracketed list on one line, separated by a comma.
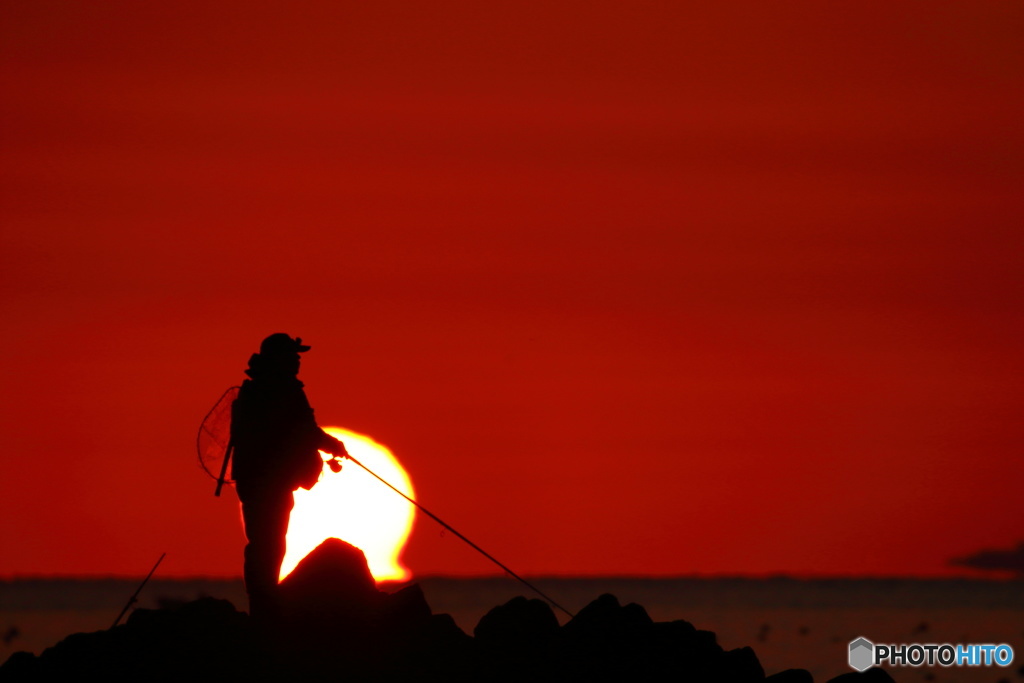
[(265, 513)]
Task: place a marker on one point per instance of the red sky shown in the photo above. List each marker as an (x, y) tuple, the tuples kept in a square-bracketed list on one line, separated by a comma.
[(630, 288)]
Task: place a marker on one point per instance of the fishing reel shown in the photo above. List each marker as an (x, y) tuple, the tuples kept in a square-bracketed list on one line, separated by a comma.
[(335, 463)]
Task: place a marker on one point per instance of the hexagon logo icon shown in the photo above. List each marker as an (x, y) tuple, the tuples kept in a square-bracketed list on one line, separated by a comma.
[(862, 654)]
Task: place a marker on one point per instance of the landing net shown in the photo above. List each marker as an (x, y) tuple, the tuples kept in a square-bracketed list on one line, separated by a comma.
[(215, 434)]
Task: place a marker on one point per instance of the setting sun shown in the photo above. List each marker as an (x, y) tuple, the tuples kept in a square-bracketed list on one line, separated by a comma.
[(355, 507)]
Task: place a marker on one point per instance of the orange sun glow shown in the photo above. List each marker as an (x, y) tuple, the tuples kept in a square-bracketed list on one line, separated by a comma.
[(355, 507)]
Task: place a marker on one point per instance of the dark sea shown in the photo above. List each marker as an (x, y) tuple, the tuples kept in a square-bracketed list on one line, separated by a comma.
[(790, 623)]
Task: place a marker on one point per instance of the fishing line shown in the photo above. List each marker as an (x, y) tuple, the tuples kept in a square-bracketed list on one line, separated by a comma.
[(474, 546)]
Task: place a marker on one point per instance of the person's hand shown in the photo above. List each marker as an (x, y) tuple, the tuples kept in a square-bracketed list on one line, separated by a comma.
[(339, 449)]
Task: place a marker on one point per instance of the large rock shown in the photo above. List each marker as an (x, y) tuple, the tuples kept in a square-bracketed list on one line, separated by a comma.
[(202, 640), (517, 641), (333, 581), (330, 602), (336, 623), (606, 639), (519, 623)]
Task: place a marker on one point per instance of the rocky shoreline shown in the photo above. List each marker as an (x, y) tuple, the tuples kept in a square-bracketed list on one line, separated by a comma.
[(336, 626)]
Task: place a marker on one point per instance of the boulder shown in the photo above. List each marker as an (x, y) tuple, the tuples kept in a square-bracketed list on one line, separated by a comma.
[(333, 581)]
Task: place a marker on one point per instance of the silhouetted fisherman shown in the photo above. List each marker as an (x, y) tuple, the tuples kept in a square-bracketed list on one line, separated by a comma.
[(276, 439)]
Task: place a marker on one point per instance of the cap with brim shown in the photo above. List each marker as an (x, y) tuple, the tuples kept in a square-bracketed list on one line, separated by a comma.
[(280, 343)]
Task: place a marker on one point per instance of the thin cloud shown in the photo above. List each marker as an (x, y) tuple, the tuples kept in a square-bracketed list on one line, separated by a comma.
[(994, 560)]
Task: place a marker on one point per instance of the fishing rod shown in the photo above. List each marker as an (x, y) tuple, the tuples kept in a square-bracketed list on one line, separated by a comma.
[(135, 596), (474, 546)]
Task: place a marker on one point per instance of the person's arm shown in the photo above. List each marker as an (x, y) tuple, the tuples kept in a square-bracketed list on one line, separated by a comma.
[(324, 441), (329, 444)]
